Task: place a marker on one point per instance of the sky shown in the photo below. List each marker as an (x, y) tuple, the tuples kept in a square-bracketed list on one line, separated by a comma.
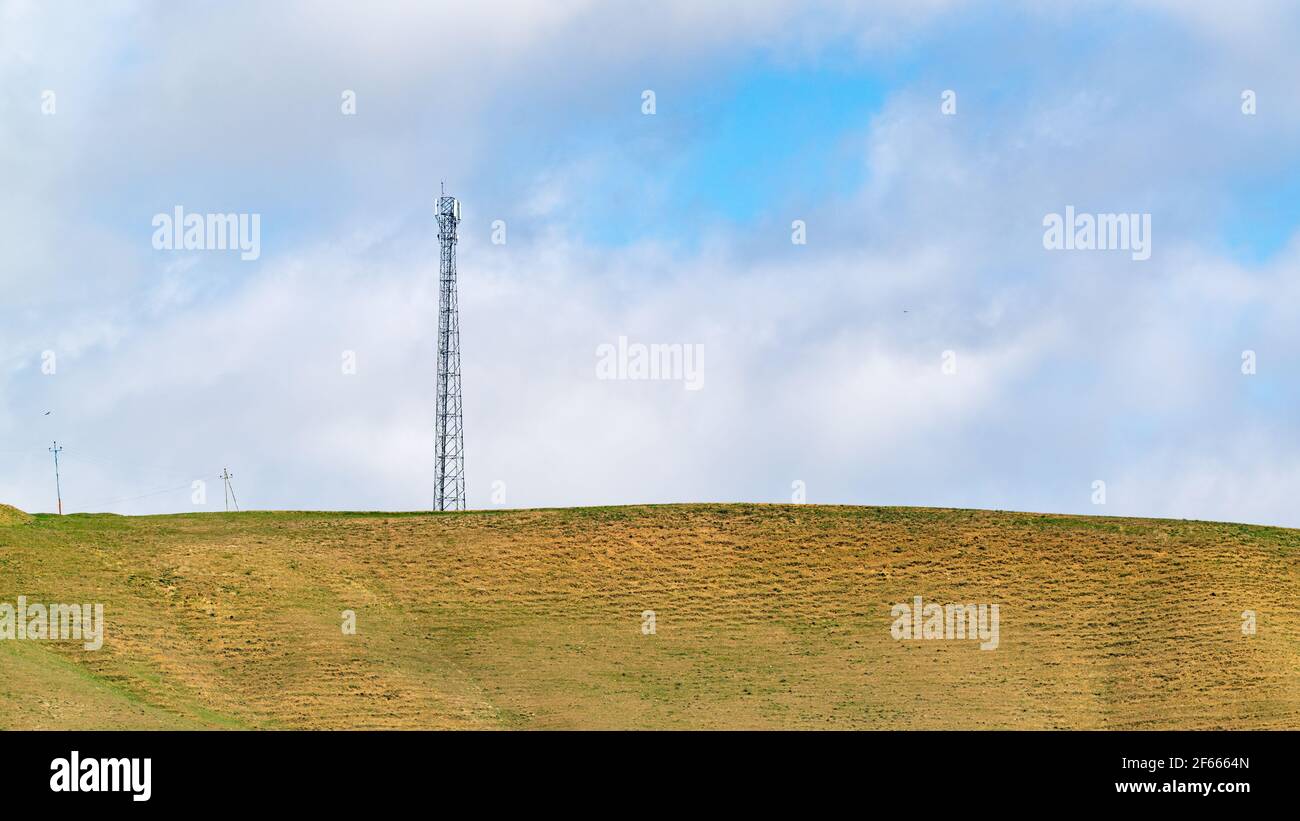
[(919, 346)]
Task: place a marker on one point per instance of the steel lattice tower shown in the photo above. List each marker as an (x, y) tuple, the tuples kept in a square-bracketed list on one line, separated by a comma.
[(449, 436)]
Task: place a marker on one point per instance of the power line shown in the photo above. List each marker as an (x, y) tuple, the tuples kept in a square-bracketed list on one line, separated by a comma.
[(141, 496), (57, 450)]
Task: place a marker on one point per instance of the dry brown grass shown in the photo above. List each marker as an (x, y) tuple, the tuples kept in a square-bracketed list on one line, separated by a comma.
[(767, 616)]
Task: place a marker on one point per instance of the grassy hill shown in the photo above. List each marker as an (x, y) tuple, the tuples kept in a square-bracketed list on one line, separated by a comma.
[(10, 515), (766, 616)]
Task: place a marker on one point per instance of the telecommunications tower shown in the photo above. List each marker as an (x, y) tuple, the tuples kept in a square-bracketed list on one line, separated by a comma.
[(449, 436)]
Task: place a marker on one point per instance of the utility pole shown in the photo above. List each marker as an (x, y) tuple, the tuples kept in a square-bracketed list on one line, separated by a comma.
[(57, 489), (230, 489)]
